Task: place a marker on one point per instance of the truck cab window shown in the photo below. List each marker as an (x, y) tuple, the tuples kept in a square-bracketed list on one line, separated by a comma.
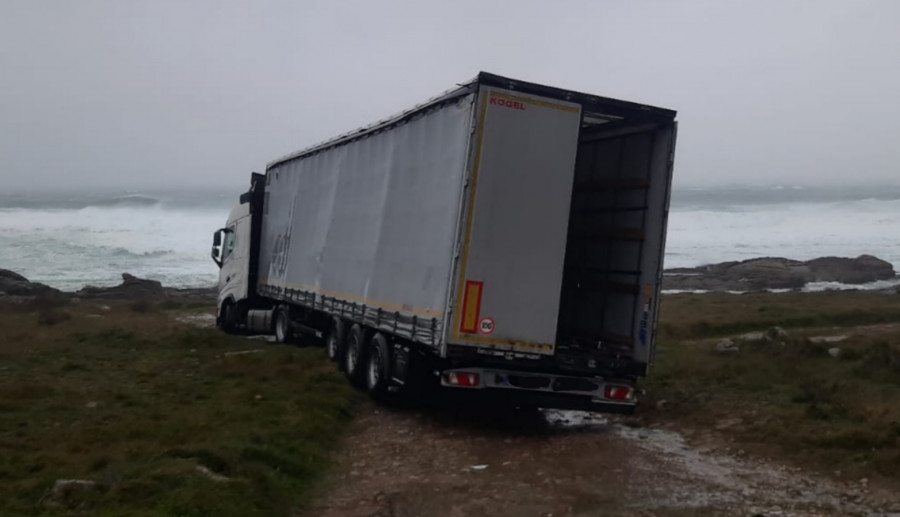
[(228, 246)]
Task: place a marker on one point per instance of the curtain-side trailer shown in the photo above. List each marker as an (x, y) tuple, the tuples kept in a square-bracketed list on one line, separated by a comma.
[(504, 239)]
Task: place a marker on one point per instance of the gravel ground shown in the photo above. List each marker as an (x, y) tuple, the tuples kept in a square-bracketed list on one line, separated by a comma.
[(454, 462)]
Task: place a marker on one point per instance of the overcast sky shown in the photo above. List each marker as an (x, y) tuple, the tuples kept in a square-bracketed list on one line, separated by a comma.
[(199, 93)]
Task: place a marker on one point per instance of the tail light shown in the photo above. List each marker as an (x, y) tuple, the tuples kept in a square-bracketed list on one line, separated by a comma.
[(463, 379), (613, 392)]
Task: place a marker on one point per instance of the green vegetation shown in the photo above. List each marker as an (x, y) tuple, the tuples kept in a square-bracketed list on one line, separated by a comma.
[(793, 399), (690, 316), (163, 417)]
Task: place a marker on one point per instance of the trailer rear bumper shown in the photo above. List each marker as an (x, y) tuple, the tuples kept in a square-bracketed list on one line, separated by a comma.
[(544, 390)]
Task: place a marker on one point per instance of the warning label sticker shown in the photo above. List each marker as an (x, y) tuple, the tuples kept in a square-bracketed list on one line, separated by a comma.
[(486, 326)]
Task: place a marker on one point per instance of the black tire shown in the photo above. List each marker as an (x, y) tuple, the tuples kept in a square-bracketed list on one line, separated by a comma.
[(355, 356), (282, 325), (228, 317), (378, 367), (334, 343)]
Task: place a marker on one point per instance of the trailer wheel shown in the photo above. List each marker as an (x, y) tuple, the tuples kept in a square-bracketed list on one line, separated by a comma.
[(283, 325), (355, 356), (378, 367), (335, 342)]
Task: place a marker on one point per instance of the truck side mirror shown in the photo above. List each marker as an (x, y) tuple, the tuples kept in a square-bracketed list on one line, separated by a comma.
[(217, 248)]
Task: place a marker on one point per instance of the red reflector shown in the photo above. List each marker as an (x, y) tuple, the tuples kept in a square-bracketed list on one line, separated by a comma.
[(468, 379), (464, 379), (618, 392)]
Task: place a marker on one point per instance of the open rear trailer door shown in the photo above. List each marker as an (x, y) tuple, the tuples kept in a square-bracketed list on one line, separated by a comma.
[(509, 275), (616, 240)]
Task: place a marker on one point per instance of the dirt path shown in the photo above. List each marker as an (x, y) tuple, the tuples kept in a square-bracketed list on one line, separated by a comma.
[(452, 463)]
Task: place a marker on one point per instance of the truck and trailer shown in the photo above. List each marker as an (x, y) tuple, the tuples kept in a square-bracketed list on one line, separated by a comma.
[(504, 239)]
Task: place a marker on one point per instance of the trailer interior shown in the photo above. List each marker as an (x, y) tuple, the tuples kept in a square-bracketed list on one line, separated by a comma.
[(621, 166)]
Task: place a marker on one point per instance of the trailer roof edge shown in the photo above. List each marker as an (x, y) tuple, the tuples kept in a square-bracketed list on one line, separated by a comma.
[(624, 109)]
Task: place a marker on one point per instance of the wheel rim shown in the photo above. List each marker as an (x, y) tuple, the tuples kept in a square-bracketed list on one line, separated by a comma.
[(332, 346), (280, 331), (374, 367), (352, 354)]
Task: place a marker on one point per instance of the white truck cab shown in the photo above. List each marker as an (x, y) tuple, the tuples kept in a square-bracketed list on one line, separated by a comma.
[(231, 252)]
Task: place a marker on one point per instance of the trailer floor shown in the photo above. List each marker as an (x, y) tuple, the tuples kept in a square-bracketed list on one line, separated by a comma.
[(448, 462)]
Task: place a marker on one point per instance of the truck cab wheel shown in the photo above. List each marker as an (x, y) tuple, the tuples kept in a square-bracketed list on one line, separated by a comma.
[(355, 356), (334, 345), (228, 317), (378, 367), (283, 325)]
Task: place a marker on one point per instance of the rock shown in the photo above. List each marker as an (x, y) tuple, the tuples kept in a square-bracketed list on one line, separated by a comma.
[(827, 339), (860, 270), (776, 335), (834, 352), (218, 478), (777, 273), (12, 275), (91, 405), (660, 404), (14, 284), (131, 287), (752, 336), (134, 288), (64, 490), (727, 346)]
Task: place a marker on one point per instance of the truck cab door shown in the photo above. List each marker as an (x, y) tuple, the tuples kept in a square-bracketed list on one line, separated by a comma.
[(235, 253)]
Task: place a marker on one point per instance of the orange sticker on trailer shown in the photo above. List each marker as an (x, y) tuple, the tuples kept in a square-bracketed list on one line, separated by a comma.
[(471, 308)]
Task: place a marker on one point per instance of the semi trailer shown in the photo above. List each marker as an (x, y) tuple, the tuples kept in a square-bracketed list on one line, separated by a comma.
[(502, 241)]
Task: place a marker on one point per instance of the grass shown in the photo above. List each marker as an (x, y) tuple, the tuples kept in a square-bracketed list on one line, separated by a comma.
[(135, 401), (708, 315), (794, 400)]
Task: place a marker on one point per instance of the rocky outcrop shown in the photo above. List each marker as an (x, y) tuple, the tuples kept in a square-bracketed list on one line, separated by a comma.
[(14, 284), (861, 270), (777, 273), (132, 288)]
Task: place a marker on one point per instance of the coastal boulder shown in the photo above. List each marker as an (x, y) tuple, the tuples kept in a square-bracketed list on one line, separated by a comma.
[(859, 270), (131, 288), (14, 284), (769, 273), (749, 275), (777, 273)]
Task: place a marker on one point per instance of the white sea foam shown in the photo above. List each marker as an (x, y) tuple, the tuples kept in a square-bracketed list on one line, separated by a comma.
[(93, 239), (70, 248), (708, 234)]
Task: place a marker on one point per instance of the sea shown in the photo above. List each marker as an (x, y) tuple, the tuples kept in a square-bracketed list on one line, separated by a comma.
[(69, 240)]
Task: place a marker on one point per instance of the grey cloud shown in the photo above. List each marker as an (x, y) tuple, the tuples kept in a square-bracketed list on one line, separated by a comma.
[(199, 93)]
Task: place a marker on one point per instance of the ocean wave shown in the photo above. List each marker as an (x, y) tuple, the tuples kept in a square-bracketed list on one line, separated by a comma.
[(124, 252), (130, 200)]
